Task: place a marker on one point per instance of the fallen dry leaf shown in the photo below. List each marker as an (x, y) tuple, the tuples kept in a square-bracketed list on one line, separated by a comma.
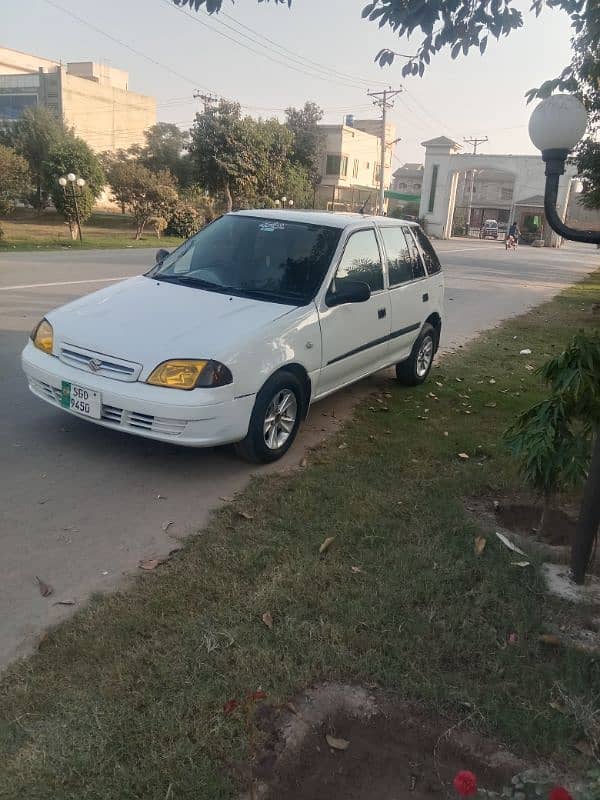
[(245, 515), (326, 544), (161, 497), (529, 367), (226, 499), (268, 620), (550, 639), (491, 405), (64, 603), (149, 564), (584, 747), (292, 708), (520, 563), (464, 456), (507, 543), (303, 463), (492, 381), (446, 433), (337, 744), (166, 525), (355, 569), (480, 543), (45, 589), (343, 446)]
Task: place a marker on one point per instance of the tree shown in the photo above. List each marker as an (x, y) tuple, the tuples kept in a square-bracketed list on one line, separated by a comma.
[(146, 194), (185, 220), (272, 143), (166, 148), (15, 179), (309, 139), (34, 136), (73, 155), (121, 173), (222, 151)]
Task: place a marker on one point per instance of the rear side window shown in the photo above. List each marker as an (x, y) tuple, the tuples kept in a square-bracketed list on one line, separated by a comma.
[(432, 262), (361, 261), (416, 260), (399, 257)]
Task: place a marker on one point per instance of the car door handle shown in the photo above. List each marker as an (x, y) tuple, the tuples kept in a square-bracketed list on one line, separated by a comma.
[(425, 297), (381, 312)]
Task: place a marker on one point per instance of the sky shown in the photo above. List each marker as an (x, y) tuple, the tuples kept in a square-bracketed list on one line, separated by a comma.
[(319, 50)]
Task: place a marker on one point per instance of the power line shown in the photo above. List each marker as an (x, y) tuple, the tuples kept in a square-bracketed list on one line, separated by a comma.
[(476, 142)]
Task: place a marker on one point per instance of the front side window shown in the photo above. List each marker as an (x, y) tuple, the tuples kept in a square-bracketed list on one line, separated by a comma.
[(269, 259), (432, 262), (399, 257), (361, 261)]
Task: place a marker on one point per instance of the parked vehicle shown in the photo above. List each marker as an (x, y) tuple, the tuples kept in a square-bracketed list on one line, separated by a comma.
[(232, 336), (489, 229)]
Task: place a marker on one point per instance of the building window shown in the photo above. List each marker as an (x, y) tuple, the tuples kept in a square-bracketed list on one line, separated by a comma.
[(434, 177), (332, 166), (506, 194), (355, 168), (402, 186), (344, 166), (417, 187), (368, 165)]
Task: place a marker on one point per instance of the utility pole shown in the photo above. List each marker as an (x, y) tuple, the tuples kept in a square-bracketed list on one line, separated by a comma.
[(475, 143), (384, 100), (208, 99)]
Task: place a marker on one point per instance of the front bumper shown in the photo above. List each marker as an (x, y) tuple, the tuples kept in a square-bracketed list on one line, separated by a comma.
[(199, 418)]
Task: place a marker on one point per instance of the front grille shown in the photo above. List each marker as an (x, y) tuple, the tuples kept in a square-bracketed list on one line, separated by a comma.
[(118, 417), (99, 364)]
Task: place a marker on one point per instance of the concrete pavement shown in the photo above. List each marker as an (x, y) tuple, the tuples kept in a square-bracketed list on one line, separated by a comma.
[(81, 505)]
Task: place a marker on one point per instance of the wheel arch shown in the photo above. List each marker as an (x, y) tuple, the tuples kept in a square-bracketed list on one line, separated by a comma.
[(436, 323), (300, 372)]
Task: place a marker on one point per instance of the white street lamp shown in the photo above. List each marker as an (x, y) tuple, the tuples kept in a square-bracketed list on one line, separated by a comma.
[(71, 177), (555, 127), (80, 183), (283, 201), (62, 182), (290, 203), (577, 185), (558, 123)]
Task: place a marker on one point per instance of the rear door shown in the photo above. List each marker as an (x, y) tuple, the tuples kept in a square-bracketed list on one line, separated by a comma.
[(355, 336), (435, 281), (408, 289)]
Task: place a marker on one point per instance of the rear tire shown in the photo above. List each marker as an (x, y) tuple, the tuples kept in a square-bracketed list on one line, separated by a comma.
[(415, 370), (275, 419)]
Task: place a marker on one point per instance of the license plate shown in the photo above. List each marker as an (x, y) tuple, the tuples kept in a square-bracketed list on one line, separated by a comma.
[(81, 400)]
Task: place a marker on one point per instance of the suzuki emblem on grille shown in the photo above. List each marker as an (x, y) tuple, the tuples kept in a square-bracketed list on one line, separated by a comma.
[(94, 364)]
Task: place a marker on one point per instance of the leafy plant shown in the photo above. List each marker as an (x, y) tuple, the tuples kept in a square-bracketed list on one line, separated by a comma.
[(552, 439), (185, 220), (158, 225), (14, 178)]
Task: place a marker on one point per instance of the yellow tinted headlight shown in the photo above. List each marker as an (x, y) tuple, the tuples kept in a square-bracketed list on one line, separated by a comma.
[(43, 336), (177, 374)]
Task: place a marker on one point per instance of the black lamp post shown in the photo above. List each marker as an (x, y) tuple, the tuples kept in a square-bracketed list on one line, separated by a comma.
[(555, 127)]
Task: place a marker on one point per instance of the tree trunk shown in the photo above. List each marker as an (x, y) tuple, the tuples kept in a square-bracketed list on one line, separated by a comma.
[(589, 518), (228, 197)]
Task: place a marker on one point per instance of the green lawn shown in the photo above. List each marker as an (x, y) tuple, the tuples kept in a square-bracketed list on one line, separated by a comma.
[(126, 699), (25, 230)]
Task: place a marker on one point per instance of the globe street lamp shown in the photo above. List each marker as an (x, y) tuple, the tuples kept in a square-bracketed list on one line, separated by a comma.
[(72, 179), (555, 127)]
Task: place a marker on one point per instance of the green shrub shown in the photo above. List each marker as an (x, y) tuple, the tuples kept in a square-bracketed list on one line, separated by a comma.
[(185, 220)]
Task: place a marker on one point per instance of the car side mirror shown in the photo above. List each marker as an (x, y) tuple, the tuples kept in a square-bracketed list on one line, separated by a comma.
[(161, 255), (348, 292)]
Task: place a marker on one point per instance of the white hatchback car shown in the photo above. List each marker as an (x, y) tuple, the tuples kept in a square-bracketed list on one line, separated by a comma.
[(232, 336)]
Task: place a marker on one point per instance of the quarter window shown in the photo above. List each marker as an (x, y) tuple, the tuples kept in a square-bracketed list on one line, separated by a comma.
[(399, 257), (361, 261), (432, 262)]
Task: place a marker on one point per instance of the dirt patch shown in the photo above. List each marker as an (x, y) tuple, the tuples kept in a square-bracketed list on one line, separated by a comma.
[(559, 528), (394, 750)]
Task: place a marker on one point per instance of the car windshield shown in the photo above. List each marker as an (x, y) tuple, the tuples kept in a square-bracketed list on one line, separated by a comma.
[(269, 259)]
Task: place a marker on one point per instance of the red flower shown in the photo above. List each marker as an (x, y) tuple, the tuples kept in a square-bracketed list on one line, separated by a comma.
[(230, 706), (559, 793), (260, 695), (465, 784)]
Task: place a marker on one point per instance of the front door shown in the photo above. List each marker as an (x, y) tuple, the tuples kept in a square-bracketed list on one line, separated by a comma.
[(355, 336)]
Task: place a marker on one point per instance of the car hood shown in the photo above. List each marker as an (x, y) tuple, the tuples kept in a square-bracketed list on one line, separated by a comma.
[(149, 321)]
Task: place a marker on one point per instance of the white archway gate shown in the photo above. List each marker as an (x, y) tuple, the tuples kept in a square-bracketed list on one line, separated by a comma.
[(444, 162)]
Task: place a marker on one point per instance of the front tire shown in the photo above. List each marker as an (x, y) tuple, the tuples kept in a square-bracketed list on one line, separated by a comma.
[(275, 419), (415, 370)]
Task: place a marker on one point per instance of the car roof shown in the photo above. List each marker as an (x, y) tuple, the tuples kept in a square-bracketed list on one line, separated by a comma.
[(332, 219)]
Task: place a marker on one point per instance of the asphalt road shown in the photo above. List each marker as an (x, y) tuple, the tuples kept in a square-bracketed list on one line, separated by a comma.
[(80, 505)]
